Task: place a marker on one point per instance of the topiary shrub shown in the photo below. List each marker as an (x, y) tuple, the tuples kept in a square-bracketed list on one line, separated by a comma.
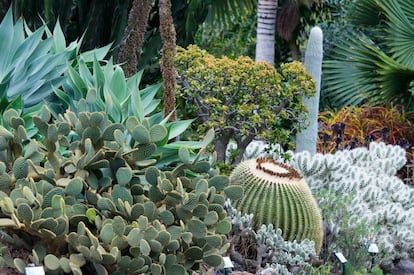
[(277, 194), (241, 99), (88, 198)]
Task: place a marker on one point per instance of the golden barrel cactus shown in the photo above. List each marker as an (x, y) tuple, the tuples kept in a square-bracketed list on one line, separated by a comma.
[(277, 194)]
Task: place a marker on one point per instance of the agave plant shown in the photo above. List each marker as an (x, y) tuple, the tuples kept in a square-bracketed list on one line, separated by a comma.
[(30, 64), (102, 86), (375, 66)]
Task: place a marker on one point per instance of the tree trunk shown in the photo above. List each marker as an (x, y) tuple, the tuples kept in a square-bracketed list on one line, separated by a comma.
[(220, 146), (241, 146), (134, 36), (266, 28), (168, 37)]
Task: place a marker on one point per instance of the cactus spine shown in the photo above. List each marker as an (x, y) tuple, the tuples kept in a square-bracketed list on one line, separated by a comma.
[(276, 194), (306, 139)]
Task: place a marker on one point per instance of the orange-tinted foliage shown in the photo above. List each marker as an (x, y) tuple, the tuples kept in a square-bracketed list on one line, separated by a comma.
[(352, 127)]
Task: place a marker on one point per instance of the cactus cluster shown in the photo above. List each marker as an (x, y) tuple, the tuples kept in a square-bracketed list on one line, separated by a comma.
[(88, 196), (280, 254), (377, 195), (276, 194), (271, 251)]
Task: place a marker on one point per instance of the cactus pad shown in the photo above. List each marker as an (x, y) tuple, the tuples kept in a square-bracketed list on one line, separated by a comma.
[(20, 168)]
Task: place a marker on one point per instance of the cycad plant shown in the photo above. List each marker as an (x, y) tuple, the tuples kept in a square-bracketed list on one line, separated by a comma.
[(375, 65)]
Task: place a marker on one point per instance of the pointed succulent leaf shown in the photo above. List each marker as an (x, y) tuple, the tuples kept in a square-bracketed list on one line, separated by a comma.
[(45, 114)]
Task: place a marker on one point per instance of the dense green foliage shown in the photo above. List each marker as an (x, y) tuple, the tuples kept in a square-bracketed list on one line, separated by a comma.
[(241, 99)]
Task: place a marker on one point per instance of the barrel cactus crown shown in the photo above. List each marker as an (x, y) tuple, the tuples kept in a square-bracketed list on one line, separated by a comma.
[(277, 194)]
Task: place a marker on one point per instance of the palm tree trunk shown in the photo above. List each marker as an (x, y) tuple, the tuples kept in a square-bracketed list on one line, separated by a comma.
[(134, 36), (168, 37), (266, 28)]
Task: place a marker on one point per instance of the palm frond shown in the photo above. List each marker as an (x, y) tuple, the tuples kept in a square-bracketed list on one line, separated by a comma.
[(364, 12), (362, 73), (400, 30), (221, 12)]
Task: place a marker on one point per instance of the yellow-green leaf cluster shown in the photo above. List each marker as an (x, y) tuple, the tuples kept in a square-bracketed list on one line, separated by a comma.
[(240, 95)]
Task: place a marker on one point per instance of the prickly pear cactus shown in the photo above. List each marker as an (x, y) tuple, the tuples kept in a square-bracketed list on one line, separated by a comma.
[(276, 194), (88, 196)]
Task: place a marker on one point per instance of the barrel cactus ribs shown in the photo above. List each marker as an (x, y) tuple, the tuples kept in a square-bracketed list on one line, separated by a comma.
[(277, 194)]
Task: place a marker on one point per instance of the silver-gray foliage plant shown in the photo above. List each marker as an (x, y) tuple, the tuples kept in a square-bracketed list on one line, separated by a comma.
[(378, 196), (277, 254)]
